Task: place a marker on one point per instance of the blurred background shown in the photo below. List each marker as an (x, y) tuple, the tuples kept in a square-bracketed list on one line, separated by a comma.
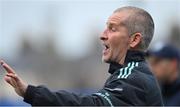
[(56, 42)]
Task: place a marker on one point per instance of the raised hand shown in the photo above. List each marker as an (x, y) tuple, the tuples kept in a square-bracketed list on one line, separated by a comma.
[(14, 80)]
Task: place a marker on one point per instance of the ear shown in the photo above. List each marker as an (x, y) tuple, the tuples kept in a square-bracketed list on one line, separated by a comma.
[(135, 40)]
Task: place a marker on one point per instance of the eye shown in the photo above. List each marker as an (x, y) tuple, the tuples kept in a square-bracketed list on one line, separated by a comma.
[(113, 29)]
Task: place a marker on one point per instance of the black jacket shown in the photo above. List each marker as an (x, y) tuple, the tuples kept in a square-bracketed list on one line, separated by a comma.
[(130, 84)]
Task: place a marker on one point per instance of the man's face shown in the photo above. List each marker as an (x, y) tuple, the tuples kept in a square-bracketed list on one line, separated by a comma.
[(164, 69), (115, 38)]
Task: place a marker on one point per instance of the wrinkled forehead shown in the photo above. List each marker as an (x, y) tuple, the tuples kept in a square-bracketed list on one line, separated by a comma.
[(118, 18)]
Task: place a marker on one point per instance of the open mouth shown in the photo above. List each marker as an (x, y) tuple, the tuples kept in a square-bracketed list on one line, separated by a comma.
[(106, 49)]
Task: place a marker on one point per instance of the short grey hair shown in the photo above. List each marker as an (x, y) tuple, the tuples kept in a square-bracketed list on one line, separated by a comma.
[(139, 21)]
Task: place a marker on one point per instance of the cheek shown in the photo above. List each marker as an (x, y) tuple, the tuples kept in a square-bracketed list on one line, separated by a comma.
[(163, 69), (120, 42), (156, 67), (158, 72)]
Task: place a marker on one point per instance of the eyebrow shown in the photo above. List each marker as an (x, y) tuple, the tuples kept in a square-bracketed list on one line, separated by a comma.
[(115, 24), (111, 24)]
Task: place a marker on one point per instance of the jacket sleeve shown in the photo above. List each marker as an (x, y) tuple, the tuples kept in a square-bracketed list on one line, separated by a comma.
[(41, 95)]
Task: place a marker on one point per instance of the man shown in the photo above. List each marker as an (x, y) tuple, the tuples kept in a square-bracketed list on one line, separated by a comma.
[(128, 33), (165, 61)]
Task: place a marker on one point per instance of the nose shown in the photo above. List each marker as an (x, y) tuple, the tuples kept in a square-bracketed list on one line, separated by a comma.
[(104, 36)]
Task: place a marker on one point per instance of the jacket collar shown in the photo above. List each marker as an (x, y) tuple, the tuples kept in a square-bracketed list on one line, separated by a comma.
[(136, 56)]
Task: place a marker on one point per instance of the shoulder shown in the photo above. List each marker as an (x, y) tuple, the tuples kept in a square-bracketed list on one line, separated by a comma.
[(134, 74), (138, 74), (143, 75), (135, 70)]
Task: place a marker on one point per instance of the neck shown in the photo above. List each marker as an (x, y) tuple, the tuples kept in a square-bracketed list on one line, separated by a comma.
[(122, 58)]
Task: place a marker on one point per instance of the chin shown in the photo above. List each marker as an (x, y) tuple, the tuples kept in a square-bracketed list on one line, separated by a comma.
[(106, 60)]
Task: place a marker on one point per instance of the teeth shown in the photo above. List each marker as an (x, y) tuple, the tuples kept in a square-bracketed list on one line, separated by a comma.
[(106, 47)]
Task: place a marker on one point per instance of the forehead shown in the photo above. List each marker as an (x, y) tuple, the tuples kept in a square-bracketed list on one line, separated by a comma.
[(117, 18)]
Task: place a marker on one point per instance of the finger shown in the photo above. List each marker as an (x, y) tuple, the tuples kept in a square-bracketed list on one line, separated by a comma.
[(9, 81), (7, 67), (1, 62), (14, 76)]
